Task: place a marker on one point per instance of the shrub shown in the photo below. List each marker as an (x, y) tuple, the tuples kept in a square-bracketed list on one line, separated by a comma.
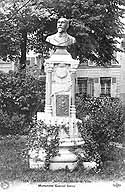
[(11, 125), (103, 120), (90, 147), (21, 95), (5, 124)]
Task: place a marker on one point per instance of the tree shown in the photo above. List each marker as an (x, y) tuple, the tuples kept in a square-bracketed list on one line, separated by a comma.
[(95, 24), (19, 21)]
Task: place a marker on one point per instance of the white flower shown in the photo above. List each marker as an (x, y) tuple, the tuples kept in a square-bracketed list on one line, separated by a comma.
[(87, 117), (33, 153), (41, 154), (49, 139), (90, 165), (82, 155)]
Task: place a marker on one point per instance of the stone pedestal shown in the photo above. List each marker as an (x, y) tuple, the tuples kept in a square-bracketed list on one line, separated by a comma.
[(60, 109)]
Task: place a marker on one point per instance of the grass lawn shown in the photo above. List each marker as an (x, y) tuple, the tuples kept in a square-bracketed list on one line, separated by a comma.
[(14, 167)]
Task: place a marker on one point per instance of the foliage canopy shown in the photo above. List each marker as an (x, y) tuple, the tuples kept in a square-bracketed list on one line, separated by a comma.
[(95, 24)]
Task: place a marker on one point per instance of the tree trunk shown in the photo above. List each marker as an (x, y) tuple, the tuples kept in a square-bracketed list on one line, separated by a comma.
[(23, 46)]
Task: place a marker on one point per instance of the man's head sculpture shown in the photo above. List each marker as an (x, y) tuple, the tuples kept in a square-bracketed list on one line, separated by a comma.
[(62, 25), (61, 38)]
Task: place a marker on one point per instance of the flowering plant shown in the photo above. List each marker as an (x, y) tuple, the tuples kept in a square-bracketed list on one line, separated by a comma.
[(44, 138)]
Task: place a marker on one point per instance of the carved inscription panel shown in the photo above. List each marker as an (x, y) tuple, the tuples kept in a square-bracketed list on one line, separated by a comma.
[(62, 105)]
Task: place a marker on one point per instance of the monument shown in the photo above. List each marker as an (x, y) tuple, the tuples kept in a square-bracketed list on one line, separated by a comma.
[(60, 71)]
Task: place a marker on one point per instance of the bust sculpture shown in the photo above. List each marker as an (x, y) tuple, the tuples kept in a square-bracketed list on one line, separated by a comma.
[(61, 38), (61, 57)]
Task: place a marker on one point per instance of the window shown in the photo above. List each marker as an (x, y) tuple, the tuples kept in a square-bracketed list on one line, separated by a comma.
[(123, 44), (28, 62), (90, 87), (105, 86), (86, 86), (82, 85), (84, 63), (91, 63), (87, 62)]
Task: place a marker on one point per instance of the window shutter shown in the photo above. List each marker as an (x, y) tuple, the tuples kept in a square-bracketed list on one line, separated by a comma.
[(113, 79), (96, 80)]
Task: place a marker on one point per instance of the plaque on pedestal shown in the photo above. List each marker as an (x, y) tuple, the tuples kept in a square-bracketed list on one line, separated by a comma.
[(62, 105)]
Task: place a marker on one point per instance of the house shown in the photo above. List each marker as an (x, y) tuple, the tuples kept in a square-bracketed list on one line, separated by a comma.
[(34, 63), (6, 66), (98, 81), (90, 79), (122, 72)]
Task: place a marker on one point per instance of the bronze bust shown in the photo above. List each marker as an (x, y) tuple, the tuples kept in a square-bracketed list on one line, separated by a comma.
[(61, 38)]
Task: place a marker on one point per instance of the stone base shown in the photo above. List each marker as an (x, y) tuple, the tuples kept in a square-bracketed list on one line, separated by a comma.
[(56, 165), (64, 159)]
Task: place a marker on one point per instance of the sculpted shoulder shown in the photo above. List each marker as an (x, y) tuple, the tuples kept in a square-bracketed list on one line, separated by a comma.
[(72, 39), (61, 41), (50, 38)]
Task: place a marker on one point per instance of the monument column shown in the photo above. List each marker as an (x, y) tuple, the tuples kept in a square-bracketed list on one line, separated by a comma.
[(73, 110), (48, 107), (60, 71)]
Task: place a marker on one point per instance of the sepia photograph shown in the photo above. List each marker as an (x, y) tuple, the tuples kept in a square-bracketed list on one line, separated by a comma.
[(62, 95)]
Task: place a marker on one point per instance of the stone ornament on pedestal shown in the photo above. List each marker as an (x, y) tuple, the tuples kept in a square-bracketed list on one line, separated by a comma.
[(60, 109)]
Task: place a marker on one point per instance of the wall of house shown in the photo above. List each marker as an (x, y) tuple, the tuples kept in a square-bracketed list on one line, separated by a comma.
[(97, 72), (92, 72), (121, 60), (122, 80)]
